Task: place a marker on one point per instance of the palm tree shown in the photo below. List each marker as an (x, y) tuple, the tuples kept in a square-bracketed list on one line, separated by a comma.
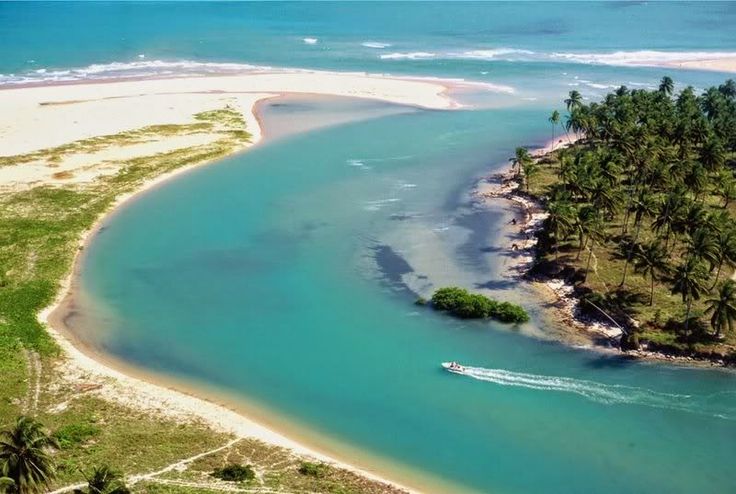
[(723, 308), (644, 205), (594, 230), (24, 456), (105, 480), (668, 214), (554, 119), (530, 169), (521, 157), (725, 250), (574, 100), (666, 86), (725, 186), (559, 221), (651, 260), (703, 246), (728, 89), (689, 282), (6, 484), (712, 154)]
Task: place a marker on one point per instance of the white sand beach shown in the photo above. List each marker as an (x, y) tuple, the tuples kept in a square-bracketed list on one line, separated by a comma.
[(44, 117)]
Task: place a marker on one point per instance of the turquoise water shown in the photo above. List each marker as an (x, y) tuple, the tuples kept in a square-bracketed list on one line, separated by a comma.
[(277, 275), (285, 276)]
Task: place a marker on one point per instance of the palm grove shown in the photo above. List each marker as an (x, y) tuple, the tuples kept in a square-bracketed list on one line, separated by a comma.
[(641, 207)]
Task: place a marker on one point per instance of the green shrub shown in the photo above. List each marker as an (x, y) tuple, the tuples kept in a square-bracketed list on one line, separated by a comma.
[(510, 313), (463, 304), (73, 434), (235, 473), (448, 298), (317, 470)]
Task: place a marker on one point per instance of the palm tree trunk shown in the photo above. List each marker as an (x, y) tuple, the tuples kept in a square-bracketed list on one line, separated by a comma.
[(583, 243), (590, 256), (687, 314), (718, 274), (628, 211), (651, 292), (631, 251)]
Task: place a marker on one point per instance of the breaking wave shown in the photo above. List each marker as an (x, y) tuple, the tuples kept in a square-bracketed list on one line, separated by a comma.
[(375, 44), (122, 70), (414, 55), (637, 58)]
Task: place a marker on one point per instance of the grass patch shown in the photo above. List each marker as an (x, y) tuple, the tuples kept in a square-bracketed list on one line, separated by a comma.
[(75, 434), (105, 433), (13, 379)]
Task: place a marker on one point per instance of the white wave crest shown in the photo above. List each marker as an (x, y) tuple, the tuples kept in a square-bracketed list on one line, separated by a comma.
[(138, 68), (310, 41), (634, 58), (414, 55), (375, 44), (641, 57), (607, 393), (508, 54)]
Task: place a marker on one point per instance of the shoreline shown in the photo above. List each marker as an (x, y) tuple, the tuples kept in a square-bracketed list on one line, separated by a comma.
[(140, 388), (562, 311)]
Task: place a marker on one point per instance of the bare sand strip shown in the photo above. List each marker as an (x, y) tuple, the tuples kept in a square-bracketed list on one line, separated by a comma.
[(716, 65), (46, 116), (43, 117)]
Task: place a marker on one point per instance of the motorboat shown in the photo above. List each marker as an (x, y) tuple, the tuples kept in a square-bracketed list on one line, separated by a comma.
[(453, 367)]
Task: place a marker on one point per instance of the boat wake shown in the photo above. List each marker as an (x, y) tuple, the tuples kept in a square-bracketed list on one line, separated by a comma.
[(721, 405)]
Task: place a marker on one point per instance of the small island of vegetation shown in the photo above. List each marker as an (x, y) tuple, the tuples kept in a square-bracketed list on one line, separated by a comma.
[(641, 215), (465, 305)]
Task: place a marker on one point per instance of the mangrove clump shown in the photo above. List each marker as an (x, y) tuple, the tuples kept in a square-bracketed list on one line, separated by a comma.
[(465, 305)]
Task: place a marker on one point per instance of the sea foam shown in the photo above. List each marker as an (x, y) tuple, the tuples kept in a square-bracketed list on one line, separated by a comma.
[(375, 44), (619, 58), (122, 70), (414, 55)]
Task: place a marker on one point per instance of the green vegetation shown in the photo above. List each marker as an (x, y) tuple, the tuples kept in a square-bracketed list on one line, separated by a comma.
[(317, 470), (640, 211), (25, 459), (465, 305), (105, 480), (235, 472), (71, 435)]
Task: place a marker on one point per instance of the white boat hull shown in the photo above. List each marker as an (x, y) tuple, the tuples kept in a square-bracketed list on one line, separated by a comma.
[(449, 368)]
